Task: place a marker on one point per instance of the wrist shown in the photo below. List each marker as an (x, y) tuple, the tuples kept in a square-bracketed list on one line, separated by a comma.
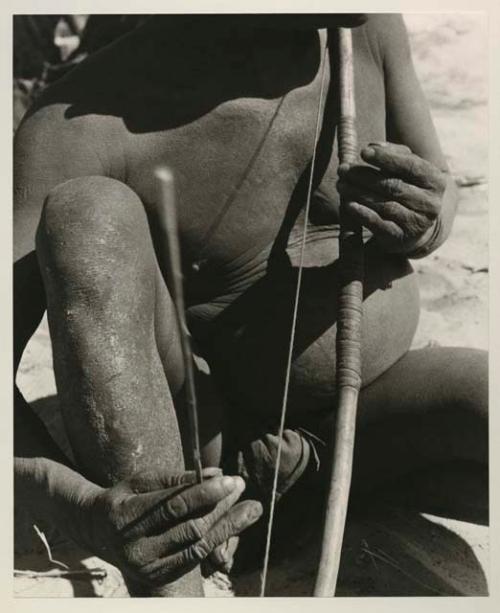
[(425, 243), (420, 246)]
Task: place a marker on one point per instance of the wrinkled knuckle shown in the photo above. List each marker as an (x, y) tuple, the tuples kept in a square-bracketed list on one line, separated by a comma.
[(390, 209), (117, 517), (199, 551), (178, 479), (413, 229), (153, 573), (110, 503), (175, 508), (196, 528), (134, 556), (414, 167), (394, 186), (433, 208)]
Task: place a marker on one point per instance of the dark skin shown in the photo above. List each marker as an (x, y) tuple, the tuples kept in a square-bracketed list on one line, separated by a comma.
[(399, 201), (85, 210)]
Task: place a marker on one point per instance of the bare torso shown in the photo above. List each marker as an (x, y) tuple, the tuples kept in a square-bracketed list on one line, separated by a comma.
[(235, 122)]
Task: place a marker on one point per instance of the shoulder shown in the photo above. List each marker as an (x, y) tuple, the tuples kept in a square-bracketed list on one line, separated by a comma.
[(387, 33), (49, 137), (50, 149), (46, 138)]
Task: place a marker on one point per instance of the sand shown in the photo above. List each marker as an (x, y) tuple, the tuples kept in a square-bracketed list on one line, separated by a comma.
[(394, 553)]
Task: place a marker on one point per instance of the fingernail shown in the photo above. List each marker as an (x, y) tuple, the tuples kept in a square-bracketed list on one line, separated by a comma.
[(254, 512), (369, 152), (381, 143)]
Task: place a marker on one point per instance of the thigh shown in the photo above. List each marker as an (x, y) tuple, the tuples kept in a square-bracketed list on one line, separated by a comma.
[(429, 408), (250, 339), (448, 380)]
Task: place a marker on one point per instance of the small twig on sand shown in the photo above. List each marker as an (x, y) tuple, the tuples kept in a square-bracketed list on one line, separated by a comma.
[(383, 557), (43, 538), (468, 181), (475, 270), (65, 571), (57, 573)]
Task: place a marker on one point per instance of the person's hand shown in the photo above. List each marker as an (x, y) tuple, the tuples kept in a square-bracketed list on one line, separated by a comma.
[(156, 528), (399, 200)]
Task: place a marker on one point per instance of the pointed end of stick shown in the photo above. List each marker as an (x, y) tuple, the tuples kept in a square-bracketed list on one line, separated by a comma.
[(164, 174)]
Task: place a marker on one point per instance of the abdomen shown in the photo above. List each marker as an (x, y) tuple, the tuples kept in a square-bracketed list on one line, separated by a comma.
[(247, 342)]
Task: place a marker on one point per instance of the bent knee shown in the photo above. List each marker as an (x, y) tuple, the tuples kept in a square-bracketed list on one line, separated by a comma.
[(88, 212), (91, 226), (90, 202), (472, 389), (458, 378)]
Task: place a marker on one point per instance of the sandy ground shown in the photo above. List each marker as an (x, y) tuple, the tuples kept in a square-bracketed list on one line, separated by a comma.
[(395, 554)]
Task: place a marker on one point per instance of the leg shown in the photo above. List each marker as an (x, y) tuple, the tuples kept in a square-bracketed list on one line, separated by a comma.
[(101, 281), (424, 423)]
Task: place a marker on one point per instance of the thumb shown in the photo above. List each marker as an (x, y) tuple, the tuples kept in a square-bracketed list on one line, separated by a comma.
[(236, 520), (151, 480)]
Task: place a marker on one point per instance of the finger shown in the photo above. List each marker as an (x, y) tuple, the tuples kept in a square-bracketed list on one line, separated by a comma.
[(372, 220), (240, 517), (149, 481), (406, 165), (156, 511), (192, 530), (395, 147), (392, 188), (388, 210), (222, 557)]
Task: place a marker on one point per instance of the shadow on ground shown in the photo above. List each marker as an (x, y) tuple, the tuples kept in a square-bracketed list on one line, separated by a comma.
[(390, 553)]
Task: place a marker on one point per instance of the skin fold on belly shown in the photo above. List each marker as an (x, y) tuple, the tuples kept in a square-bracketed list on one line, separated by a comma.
[(245, 337)]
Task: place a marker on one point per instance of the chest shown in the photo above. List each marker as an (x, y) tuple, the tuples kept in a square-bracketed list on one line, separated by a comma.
[(240, 152)]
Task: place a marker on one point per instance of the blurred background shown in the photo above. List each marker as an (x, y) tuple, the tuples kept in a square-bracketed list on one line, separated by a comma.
[(451, 58)]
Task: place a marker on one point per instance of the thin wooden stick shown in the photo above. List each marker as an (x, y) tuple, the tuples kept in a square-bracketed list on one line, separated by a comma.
[(170, 265), (348, 349), (57, 573)]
